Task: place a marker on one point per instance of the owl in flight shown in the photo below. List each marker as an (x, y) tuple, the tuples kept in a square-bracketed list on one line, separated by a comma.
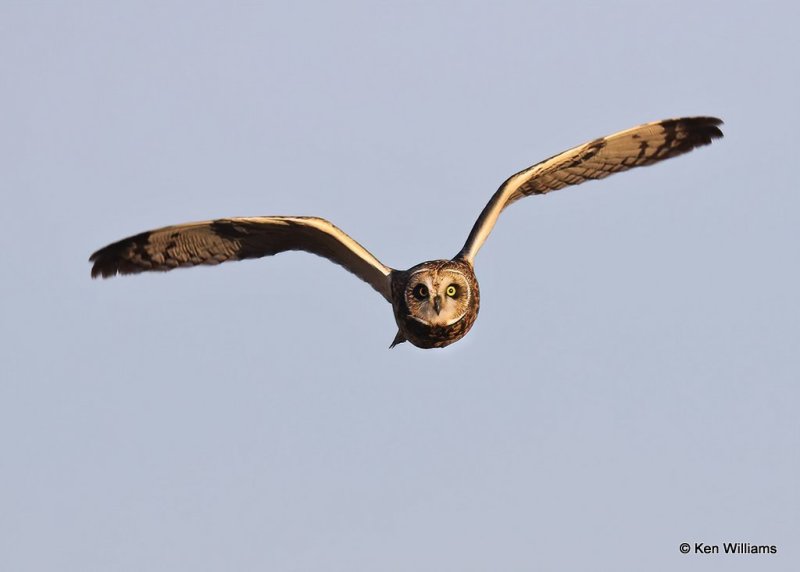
[(435, 303)]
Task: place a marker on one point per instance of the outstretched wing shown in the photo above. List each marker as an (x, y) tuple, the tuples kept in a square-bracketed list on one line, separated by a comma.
[(637, 147), (221, 240)]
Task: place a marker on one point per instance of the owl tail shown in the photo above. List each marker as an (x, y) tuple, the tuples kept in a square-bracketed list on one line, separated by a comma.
[(398, 339)]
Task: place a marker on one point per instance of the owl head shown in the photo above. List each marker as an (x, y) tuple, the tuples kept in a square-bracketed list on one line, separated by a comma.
[(439, 293)]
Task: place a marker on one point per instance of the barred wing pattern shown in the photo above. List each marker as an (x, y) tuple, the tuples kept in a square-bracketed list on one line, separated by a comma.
[(222, 240), (637, 147)]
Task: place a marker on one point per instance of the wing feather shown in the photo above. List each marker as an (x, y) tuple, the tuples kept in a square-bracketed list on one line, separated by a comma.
[(215, 241), (636, 147)]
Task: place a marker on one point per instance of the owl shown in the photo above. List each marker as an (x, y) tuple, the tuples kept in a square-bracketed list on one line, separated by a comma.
[(435, 303)]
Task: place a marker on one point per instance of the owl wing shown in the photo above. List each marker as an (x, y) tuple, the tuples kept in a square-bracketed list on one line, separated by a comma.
[(221, 240), (637, 147)]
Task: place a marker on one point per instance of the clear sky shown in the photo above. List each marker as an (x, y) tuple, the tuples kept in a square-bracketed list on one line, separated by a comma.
[(631, 382)]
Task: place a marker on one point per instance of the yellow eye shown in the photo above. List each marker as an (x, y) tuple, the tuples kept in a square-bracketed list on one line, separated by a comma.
[(451, 291)]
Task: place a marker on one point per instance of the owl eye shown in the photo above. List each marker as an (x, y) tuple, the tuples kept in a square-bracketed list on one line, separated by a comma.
[(451, 291), (420, 291)]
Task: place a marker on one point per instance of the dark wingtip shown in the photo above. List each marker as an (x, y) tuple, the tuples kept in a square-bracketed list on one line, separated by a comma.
[(107, 266), (100, 267), (705, 128), (103, 267), (106, 261), (101, 272), (114, 258)]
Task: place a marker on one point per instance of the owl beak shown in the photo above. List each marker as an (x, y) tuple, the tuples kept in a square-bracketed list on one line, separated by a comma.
[(437, 304)]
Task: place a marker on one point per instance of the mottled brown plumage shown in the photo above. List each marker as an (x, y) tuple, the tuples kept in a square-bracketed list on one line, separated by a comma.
[(435, 303)]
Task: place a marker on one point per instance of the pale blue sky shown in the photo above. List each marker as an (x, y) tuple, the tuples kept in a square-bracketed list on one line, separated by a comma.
[(631, 382)]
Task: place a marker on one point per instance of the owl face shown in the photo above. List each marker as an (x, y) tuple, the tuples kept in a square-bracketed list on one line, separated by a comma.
[(435, 303), (438, 296)]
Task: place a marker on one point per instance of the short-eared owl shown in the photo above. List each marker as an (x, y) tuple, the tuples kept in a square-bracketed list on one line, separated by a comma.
[(435, 303)]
